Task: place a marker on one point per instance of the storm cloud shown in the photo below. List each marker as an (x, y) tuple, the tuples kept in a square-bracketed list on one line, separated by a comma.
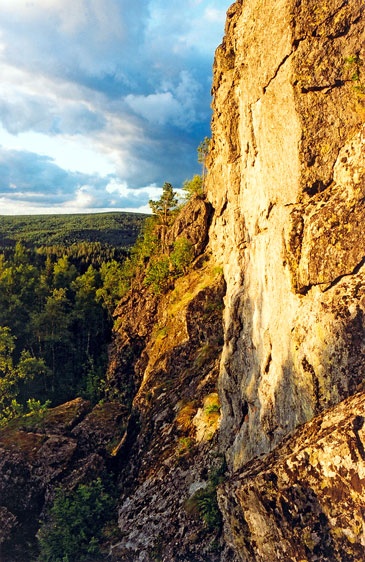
[(101, 101)]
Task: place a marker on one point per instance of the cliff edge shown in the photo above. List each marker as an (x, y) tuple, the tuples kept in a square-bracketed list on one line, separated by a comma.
[(286, 180)]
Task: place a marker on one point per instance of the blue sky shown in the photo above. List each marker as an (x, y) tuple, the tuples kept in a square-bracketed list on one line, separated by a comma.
[(101, 101)]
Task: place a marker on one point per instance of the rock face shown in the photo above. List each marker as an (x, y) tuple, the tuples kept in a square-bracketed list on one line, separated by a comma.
[(304, 501), (66, 446), (246, 375), (169, 454), (287, 184)]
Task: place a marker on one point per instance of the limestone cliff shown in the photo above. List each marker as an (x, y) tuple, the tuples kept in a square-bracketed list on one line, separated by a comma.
[(287, 184), (305, 500), (243, 380), (168, 461)]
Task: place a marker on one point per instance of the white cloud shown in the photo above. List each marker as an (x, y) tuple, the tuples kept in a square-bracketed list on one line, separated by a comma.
[(115, 186), (112, 89), (174, 105), (83, 199), (214, 15), (70, 153), (156, 108)]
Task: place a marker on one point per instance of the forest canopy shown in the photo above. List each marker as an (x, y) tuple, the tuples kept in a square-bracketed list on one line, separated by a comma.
[(57, 297)]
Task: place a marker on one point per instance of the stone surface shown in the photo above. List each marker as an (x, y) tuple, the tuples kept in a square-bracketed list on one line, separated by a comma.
[(193, 224), (286, 180), (251, 366), (306, 500), (39, 454), (166, 352), (171, 443)]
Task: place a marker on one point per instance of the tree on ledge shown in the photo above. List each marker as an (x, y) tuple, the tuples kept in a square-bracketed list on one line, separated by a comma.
[(167, 203), (164, 208)]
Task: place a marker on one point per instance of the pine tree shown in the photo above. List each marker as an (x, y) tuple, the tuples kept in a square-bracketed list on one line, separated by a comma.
[(203, 151), (164, 209), (167, 203)]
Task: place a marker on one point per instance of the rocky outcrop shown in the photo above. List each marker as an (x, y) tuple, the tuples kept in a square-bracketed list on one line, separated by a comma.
[(173, 449), (193, 224), (154, 434), (169, 455), (286, 180), (67, 445), (304, 501), (246, 375)]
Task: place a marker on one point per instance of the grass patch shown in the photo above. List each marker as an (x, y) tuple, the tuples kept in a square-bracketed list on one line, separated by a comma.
[(204, 503), (185, 416), (184, 446)]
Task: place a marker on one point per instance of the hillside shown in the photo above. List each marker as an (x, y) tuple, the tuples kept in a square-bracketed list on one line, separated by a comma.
[(232, 425), (116, 229)]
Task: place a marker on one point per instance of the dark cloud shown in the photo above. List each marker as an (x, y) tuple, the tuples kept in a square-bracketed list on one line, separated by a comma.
[(31, 175), (28, 178), (130, 78)]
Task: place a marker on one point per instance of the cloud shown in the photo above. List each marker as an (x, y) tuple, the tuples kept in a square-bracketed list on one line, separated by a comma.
[(99, 89), (35, 183), (174, 105), (24, 112)]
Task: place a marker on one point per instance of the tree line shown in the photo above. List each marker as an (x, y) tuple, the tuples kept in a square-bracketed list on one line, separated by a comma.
[(57, 303), (55, 325)]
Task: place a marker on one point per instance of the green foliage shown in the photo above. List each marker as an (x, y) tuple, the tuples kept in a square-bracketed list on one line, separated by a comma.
[(204, 502), (10, 411), (9, 377), (57, 314), (36, 407), (57, 301), (7, 345), (157, 273), (353, 67), (212, 408), (147, 243), (117, 230), (203, 151), (164, 210), (208, 508), (76, 525), (12, 375), (352, 59), (115, 282), (165, 206), (64, 273), (194, 186), (94, 384), (151, 256), (182, 255), (185, 445)]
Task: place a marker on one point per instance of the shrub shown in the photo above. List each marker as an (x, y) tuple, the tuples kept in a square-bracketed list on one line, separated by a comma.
[(204, 502), (182, 255), (194, 186), (76, 523), (157, 274)]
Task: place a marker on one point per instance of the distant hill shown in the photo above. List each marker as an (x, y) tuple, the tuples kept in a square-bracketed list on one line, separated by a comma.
[(115, 228)]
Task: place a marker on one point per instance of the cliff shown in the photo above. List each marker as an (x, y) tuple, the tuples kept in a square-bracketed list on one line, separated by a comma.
[(287, 184), (233, 422)]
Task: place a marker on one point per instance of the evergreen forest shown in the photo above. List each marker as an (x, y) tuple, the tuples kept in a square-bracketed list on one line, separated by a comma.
[(61, 277), (60, 280)]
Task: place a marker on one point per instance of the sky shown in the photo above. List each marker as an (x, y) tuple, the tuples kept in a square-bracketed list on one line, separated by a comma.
[(102, 101)]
